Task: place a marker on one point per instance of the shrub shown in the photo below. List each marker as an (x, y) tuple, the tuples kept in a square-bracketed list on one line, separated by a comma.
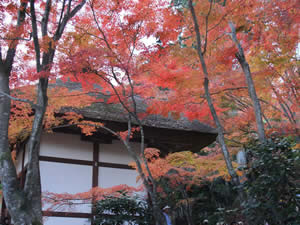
[(271, 183), (118, 210)]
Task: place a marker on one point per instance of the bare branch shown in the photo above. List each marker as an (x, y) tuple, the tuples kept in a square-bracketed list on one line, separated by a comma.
[(69, 7), (62, 12), (35, 36), (19, 99), (267, 120), (88, 33), (132, 93), (129, 128), (99, 28), (67, 17), (45, 18), (206, 27), (17, 38), (12, 47), (226, 89)]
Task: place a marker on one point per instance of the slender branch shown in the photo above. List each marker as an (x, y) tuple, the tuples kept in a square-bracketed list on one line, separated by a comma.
[(88, 33), (286, 109), (18, 38), (123, 34), (99, 28), (267, 120), (234, 141), (226, 89), (35, 36), (144, 158), (223, 18), (103, 35), (134, 42), (118, 96), (132, 93), (67, 17), (69, 7), (250, 83), (62, 12), (45, 18), (12, 47), (129, 128), (206, 27), (243, 103), (268, 103), (116, 78), (33, 105)]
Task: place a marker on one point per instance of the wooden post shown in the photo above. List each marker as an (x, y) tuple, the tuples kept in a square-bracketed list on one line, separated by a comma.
[(95, 181)]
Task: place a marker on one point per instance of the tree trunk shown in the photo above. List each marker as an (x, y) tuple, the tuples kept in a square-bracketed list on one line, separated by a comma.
[(20, 207), (220, 137), (32, 187), (220, 129), (24, 205), (157, 213), (251, 88), (17, 203)]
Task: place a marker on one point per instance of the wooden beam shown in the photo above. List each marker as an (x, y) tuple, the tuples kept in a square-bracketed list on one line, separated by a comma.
[(85, 162), (65, 160), (72, 214), (67, 214), (115, 166)]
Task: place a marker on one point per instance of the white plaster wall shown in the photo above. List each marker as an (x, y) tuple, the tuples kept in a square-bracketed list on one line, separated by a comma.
[(66, 146), (109, 177), (116, 152), (66, 178), (65, 221)]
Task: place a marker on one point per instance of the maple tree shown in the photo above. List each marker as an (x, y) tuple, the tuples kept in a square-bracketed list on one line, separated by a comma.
[(102, 65), (178, 78), (120, 61), (226, 80), (24, 205), (114, 64)]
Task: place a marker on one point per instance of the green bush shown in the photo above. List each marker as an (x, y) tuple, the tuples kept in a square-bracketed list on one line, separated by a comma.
[(217, 200), (271, 184), (118, 210)]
